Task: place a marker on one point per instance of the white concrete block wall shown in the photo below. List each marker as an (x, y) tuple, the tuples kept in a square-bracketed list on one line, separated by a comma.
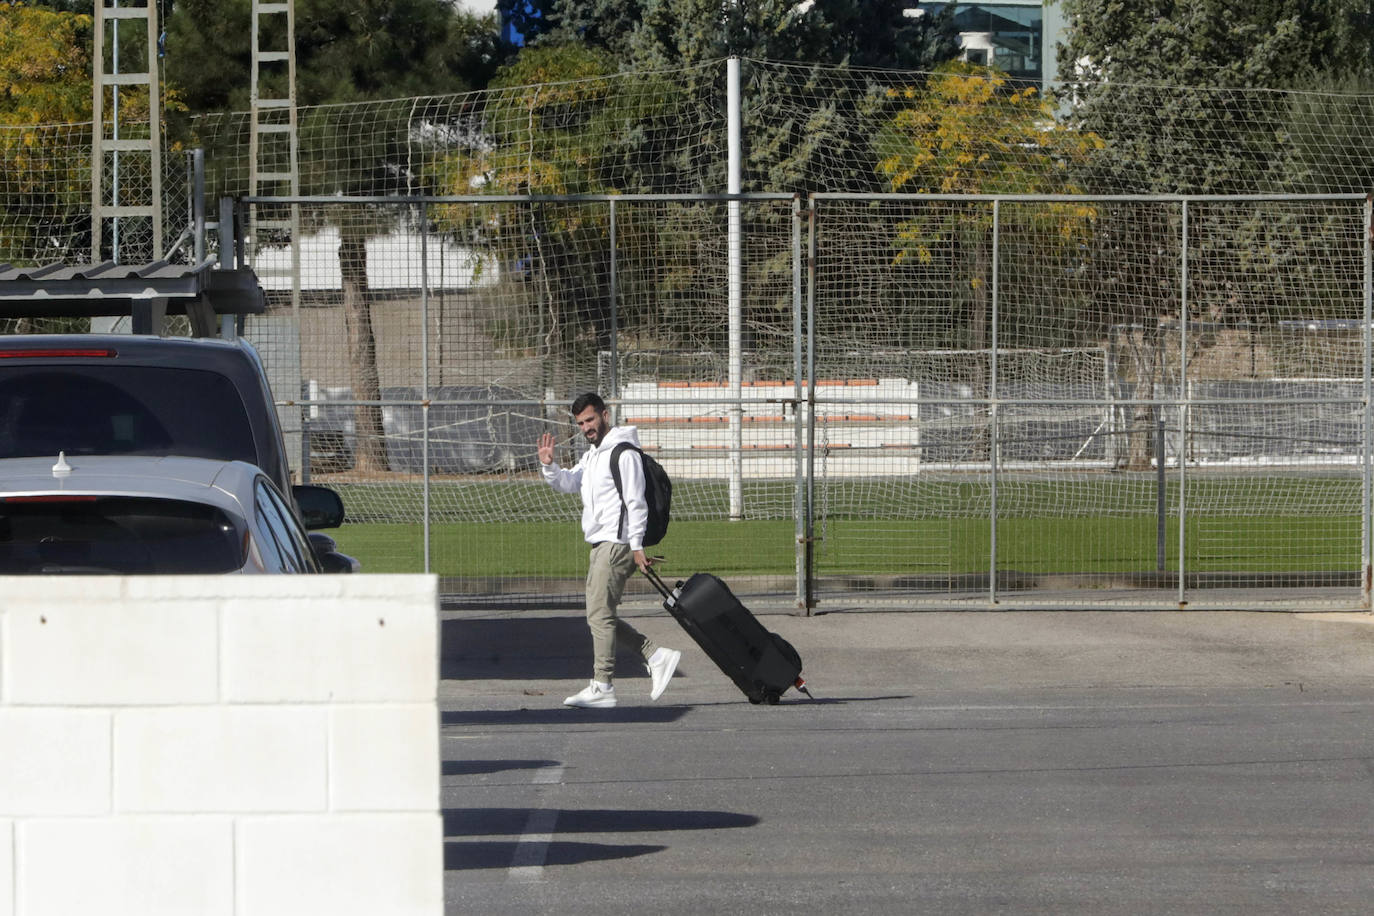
[(6, 867), (125, 865), (297, 865), (53, 761), (235, 745)]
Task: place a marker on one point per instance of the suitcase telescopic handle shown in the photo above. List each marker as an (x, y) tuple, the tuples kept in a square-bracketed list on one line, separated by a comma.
[(652, 575)]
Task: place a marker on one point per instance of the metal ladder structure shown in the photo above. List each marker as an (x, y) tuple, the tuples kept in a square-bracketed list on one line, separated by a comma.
[(274, 147), (274, 171), (142, 155)]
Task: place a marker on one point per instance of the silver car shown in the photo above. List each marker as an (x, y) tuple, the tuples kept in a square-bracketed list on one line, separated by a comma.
[(143, 514)]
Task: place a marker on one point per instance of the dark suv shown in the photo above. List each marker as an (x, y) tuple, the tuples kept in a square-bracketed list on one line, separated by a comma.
[(124, 395)]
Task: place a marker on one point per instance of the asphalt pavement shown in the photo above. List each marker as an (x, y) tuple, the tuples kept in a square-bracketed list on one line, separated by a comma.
[(1029, 762)]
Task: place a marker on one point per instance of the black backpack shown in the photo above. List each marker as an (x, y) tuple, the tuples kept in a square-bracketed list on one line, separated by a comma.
[(658, 493)]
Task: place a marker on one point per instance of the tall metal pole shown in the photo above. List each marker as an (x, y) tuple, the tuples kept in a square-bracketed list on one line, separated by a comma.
[(735, 290), (615, 312), (146, 150), (992, 404), (799, 482), (1183, 421), (1367, 536), (810, 405)]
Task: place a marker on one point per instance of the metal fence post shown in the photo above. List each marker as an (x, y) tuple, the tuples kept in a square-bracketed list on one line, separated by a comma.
[(993, 441), (809, 541), (615, 309), (1183, 418), (225, 228), (799, 502), (1161, 495), (1366, 535), (198, 204), (424, 377)]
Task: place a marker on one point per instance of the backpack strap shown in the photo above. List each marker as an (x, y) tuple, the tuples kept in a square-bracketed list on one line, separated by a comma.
[(620, 487)]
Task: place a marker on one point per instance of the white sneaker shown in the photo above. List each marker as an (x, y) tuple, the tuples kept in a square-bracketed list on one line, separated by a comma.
[(593, 696), (661, 668)]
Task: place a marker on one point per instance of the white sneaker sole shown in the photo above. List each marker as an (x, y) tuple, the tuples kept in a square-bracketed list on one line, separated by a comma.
[(668, 670), (594, 704)]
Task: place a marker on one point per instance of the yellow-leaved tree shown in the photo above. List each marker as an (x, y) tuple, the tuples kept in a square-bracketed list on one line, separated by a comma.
[(45, 86), (967, 131)]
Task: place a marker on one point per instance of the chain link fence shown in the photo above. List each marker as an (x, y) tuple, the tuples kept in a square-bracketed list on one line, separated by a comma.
[(916, 400), (1150, 401), (865, 397)]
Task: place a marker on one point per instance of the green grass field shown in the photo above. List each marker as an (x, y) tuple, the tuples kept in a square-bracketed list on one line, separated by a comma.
[(1089, 522)]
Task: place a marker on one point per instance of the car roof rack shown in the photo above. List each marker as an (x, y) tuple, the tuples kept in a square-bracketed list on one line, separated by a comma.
[(146, 293)]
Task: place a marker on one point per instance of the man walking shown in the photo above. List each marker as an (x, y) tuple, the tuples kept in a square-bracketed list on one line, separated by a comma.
[(616, 549)]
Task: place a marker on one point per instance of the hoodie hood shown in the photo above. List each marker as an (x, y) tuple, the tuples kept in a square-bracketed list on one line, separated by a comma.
[(617, 434)]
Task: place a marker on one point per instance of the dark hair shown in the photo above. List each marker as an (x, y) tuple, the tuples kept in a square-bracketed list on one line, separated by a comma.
[(590, 399)]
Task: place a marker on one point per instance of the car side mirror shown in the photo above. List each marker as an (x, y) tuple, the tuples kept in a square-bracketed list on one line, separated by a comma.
[(327, 552), (320, 507)]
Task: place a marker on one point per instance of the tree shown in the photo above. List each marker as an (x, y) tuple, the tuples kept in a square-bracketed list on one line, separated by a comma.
[(785, 149), (968, 132), (45, 80), (550, 124), (345, 52), (807, 126), (1130, 67), (45, 66), (815, 84), (1182, 93)]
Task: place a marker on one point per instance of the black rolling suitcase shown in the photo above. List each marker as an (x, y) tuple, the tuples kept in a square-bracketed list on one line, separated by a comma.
[(761, 663)]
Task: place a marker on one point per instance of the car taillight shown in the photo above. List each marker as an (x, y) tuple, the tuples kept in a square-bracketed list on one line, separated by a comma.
[(65, 353), (50, 498)]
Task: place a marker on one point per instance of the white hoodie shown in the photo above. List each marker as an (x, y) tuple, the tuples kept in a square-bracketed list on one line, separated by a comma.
[(600, 501)]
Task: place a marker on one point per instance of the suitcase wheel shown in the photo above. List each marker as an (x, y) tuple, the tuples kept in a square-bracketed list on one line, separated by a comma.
[(769, 695)]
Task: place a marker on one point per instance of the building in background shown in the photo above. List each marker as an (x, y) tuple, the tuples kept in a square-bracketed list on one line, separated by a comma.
[(1017, 37)]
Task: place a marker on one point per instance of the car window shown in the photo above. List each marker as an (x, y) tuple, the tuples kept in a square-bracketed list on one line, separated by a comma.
[(278, 528), (294, 530), (271, 551), (116, 535), (109, 409)]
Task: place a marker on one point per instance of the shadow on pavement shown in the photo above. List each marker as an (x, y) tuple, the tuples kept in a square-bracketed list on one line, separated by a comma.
[(523, 649), (840, 701), (558, 714), (469, 822), (501, 853), (482, 767), (797, 701)]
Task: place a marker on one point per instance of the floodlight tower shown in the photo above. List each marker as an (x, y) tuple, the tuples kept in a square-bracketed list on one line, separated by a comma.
[(137, 199), (274, 150), (274, 171)]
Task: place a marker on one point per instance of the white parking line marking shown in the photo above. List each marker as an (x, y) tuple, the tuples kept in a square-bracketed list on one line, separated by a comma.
[(548, 776), (532, 849)]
